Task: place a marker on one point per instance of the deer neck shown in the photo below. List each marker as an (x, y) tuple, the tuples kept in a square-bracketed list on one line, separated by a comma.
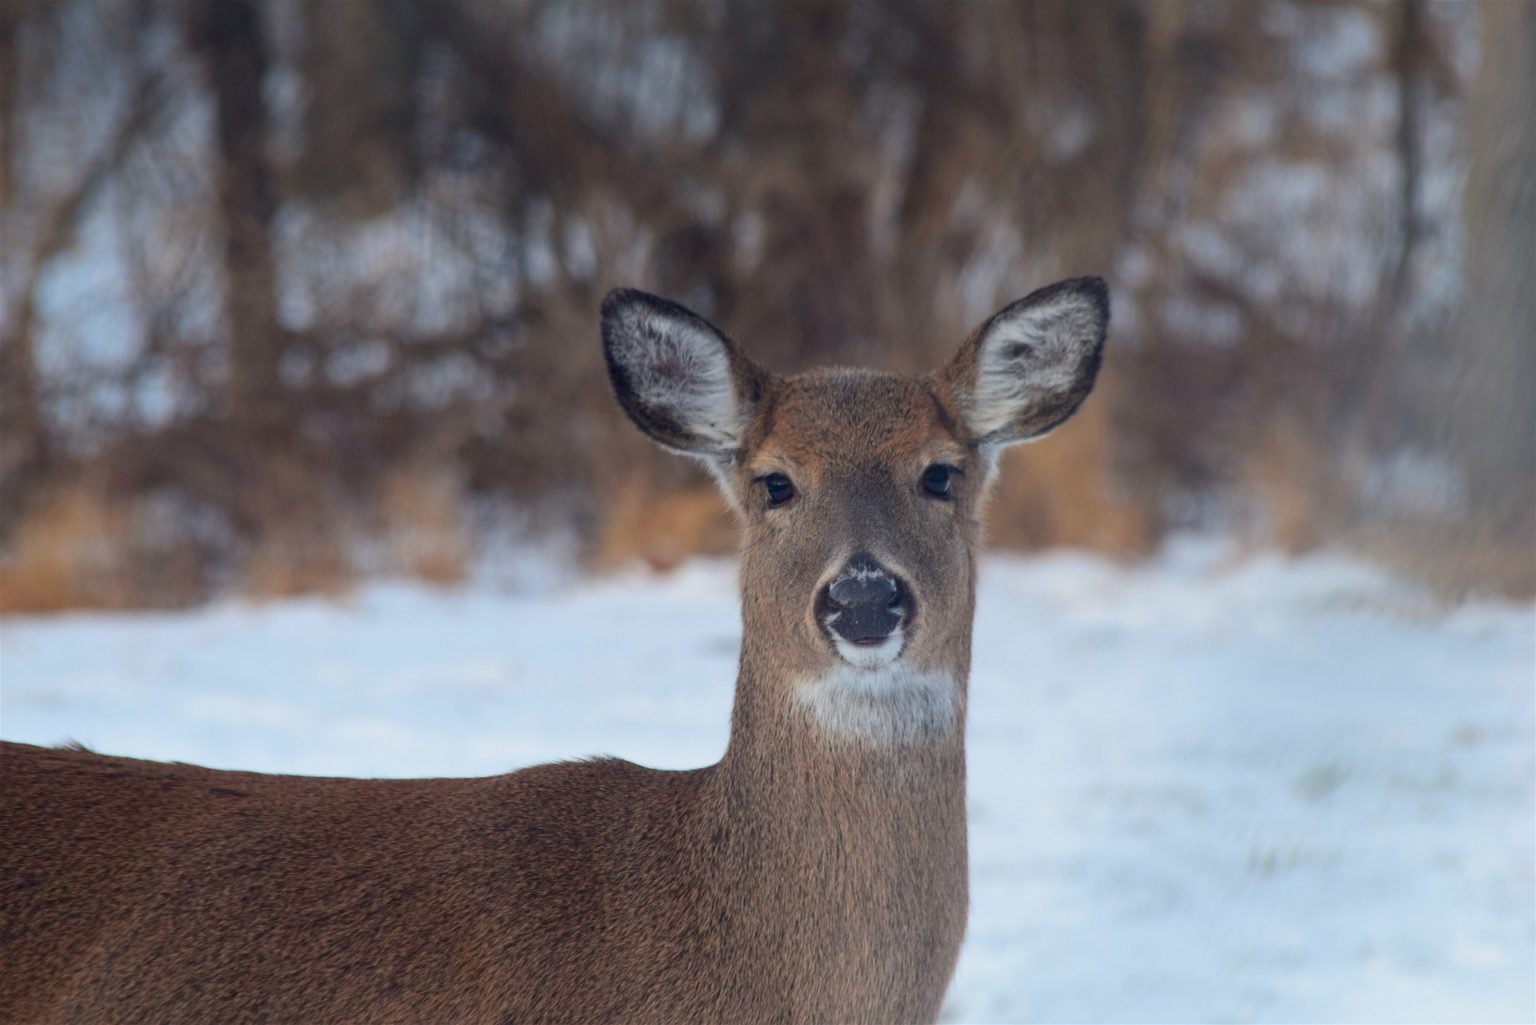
[(829, 847), (875, 751)]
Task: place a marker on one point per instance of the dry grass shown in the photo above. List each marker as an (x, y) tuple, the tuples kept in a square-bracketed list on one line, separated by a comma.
[(1288, 480), (1306, 500), (84, 545), (66, 555), (296, 559), (80, 547), (1455, 559), (662, 529), (422, 512), (1059, 492)]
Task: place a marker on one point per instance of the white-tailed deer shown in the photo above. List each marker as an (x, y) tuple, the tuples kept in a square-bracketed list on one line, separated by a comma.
[(817, 873)]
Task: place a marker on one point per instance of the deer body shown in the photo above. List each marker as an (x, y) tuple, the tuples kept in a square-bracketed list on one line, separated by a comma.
[(817, 873), (588, 891)]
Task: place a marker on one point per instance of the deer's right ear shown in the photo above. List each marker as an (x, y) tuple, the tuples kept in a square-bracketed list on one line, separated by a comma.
[(678, 377)]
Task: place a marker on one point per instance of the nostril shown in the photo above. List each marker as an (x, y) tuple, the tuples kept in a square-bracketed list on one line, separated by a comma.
[(865, 604)]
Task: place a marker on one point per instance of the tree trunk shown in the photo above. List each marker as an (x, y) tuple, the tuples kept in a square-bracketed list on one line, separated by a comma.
[(227, 35), (1491, 421), (24, 442)]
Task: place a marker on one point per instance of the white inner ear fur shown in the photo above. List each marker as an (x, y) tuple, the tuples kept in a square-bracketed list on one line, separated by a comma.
[(683, 371), (1028, 357)]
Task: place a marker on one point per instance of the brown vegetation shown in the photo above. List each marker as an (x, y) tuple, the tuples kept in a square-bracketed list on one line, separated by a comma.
[(291, 288)]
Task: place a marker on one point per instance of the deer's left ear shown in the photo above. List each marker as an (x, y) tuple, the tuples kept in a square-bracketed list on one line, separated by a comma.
[(1030, 366)]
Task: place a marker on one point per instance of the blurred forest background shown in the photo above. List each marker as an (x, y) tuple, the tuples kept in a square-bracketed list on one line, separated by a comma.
[(298, 291)]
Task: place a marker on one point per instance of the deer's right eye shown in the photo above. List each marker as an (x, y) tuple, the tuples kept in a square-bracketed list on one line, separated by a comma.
[(779, 488)]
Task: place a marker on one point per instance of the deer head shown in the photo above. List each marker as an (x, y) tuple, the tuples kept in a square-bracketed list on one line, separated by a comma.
[(859, 492)]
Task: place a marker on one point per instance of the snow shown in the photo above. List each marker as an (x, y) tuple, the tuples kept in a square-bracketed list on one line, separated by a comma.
[(1201, 789)]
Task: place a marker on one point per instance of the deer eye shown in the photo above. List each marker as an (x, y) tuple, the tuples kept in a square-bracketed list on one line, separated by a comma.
[(780, 488), (938, 478)]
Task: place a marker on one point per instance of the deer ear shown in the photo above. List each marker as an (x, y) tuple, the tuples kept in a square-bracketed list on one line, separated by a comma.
[(1030, 366), (677, 376)]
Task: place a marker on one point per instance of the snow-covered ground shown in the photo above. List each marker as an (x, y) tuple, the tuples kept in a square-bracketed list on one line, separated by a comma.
[(1200, 790)]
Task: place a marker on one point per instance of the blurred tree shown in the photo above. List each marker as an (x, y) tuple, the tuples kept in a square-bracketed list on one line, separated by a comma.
[(1489, 419), (315, 285), (227, 37)]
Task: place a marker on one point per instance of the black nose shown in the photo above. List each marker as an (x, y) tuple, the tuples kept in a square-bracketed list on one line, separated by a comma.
[(865, 602)]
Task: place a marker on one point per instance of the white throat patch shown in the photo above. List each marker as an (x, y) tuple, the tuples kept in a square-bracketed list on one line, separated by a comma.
[(892, 704)]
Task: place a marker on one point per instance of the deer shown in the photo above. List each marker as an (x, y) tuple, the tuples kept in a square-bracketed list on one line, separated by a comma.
[(816, 873)]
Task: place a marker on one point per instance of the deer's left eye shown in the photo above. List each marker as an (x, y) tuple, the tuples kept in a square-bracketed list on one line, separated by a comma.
[(938, 479)]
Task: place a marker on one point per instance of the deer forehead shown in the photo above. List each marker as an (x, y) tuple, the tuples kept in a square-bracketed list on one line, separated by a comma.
[(841, 420)]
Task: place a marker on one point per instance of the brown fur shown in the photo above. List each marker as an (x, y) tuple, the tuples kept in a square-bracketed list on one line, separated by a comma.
[(803, 878)]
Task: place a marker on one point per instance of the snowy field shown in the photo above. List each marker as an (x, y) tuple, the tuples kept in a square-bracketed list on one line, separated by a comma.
[(1200, 790)]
